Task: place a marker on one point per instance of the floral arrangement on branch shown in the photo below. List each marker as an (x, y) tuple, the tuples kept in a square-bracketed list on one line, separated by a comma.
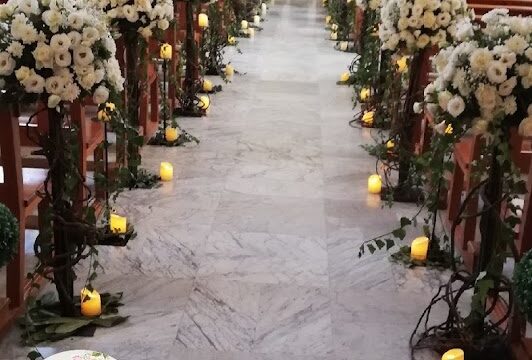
[(56, 53), (415, 24)]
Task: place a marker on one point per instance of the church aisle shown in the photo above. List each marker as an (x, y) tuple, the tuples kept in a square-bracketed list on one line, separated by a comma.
[(251, 252)]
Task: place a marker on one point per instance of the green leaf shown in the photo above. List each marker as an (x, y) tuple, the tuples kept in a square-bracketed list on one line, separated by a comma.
[(399, 233), (389, 244), (34, 355), (405, 222), (371, 248), (109, 321), (380, 244), (71, 326)]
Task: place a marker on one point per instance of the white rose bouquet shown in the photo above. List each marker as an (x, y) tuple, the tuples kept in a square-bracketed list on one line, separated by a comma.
[(146, 16), (415, 24), (486, 78), (57, 51)]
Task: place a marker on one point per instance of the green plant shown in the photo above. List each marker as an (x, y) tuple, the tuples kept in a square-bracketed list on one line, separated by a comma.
[(9, 234), (523, 284)]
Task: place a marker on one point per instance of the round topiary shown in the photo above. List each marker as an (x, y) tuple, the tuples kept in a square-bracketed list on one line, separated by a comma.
[(8, 235), (523, 284)]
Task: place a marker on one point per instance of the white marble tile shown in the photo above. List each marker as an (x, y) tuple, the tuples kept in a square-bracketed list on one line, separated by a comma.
[(265, 258)]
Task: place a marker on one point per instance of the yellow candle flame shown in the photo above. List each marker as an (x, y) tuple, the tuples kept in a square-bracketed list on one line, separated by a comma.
[(368, 116), (328, 19), (166, 171), (231, 40), (402, 64), (207, 85), (91, 303), (203, 20), (166, 51), (118, 224), (244, 24), (374, 184), (390, 144), (419, 248), (171, 134), (453, 354), (364, 94), (256, 20), (345, 76), (204, 102), (229, 70), (449, 129)]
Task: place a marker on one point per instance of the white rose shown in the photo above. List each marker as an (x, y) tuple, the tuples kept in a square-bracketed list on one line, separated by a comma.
[(7, 64), (22, 73), (83, 56), (54, 85), (507, 86), (163, 24), (525, 127), (87, 81), (417, 10), (34, 84), (146, 32), (75, 20), (130, 13), (423, 41), (63, 58), (443, 99), (101, 94), (528, 53), (443, 19), (496, 72), (456, 106), (89, 36), (75, 38), (486, 96), (60, 42), (53, 101)]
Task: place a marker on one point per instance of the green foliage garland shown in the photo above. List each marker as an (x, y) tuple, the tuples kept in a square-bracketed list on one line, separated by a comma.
[(9, 235), (523, 284)]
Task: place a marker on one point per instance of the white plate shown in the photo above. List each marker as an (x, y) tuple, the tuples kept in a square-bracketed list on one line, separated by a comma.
[(80, 355)]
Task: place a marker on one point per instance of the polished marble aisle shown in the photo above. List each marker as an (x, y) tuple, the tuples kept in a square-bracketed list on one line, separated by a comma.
[(250, 254)]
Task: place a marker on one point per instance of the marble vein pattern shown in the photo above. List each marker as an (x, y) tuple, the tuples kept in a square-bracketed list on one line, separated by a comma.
[(250, 252)]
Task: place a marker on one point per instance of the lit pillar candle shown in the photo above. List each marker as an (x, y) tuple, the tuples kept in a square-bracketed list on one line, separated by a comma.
[(204, 102), (203, 20), (343, 46), (207, 85), (374, 184), (345, 76), (367, 118), (264, 9), (402, 64), (166, 171), (244, 25), (231, 40), (453, 354), (419, 248), (229, 70), (251, 32), (256, 20), (91, 303), (334, 36), (390, 144), (166, 51), (171, 134), (328, 19), (364, 94), (118, 224)]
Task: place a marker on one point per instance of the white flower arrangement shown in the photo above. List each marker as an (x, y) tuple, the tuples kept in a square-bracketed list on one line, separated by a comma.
[(58, 51), (410, 25), (146, 16), (486, 76), (371, 4)]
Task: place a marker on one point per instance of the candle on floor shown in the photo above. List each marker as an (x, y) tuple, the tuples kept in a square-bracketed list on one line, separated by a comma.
[(402, 64), (229, 70), (334, 36), (231, 40), (364, 94), (171, 134), (91, 303), (390, 144), (367, 118), (251, 32), (264, 9), (345, 76), (334, 27), (453, 354), (203, 20), (166, 171), (419, 248), (244, 25), (118, 224), (165, 51), (204, 102), (328, 19), (207, 85), (374, 184), (343, 46), (256, 20)]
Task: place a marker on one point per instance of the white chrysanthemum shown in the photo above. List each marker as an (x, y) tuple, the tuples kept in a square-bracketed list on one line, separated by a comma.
[(101, 94), (6, 11), (75, 20), (480, 126), (525, 127), (60, 43), (87, 81), (422, 41), (54, 19), (16, 49), (53, 101), (429, 20), (143, 5), (29, 7), (443, 99), (75, 38), (22, 73), (83, 56), (7, 64), (480, 59), (456, 106), (517, 44), (130, 13), (34, 84), (63, 58), (89, 36), (487, 97), (43, 56), (71, 93), (528, 53), (496, 72)]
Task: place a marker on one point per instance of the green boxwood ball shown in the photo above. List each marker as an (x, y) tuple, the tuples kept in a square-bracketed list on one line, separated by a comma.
[(523, 284), (8, 235)]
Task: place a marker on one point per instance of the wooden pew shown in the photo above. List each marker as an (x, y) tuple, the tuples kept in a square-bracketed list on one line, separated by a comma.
[(18, 191)]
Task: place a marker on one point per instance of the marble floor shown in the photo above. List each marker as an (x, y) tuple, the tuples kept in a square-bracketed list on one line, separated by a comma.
[(251, 252)]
